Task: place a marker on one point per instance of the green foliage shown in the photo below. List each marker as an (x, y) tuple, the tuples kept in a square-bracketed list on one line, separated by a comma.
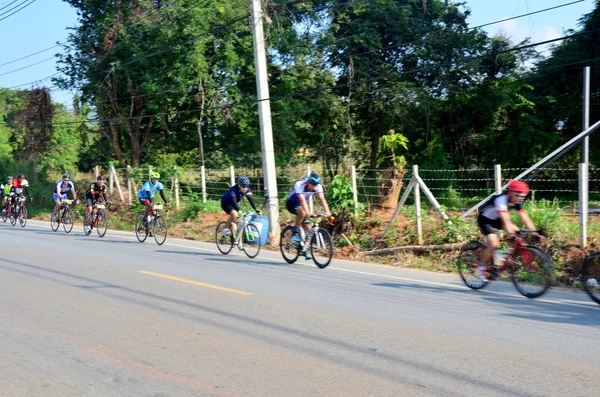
[(340, 196)]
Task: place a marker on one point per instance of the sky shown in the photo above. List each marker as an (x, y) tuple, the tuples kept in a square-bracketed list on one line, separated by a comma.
[(44, 23)]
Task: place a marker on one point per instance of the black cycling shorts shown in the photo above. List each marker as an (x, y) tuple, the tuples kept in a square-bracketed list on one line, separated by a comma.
[(486, 225), (227, 207)]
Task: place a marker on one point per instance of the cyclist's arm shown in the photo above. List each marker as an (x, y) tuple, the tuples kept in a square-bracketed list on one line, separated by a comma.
[(507, 225), (527, 220), (162, 195), (303, 203), (57, 190), (74, 192), (321, 197), (251, 201)]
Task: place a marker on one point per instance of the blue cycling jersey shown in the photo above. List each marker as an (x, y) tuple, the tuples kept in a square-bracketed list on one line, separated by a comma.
[(149, 189), (64, 187), (234, 194)]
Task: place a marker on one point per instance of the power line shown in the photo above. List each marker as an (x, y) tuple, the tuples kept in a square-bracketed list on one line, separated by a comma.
[(27, 66), (26, 5), (8, 5), (30, 55)]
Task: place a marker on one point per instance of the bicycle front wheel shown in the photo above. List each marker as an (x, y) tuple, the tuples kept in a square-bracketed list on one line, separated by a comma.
[(55, 220), (251, 240), (224, 238), (290, 249), (23, 216), (590, 276), (13, 216), (321, 248), (468, 262), (531, 271), (141, 231), (87, 223), (68, 220), (102, 224), (159, 229)]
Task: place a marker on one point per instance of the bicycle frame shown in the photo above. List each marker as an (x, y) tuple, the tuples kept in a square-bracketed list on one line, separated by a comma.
[(95, 211), (245, 220)]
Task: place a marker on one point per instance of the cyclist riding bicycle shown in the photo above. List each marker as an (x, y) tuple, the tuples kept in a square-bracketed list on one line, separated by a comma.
[(6, 189), (231, 199), (297, 204), (146, 195), (96, 191), (20, 184), (62, 188), (494, 215)]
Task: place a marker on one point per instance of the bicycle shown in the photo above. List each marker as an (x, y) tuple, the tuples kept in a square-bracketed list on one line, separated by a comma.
[(247, 238), (157, 227), (590, 276), (319, 242), (98, 219), (529, 268), (64, 214), (19, 212)]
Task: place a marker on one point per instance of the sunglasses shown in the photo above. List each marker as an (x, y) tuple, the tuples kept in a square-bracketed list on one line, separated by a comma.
[(520, 195)]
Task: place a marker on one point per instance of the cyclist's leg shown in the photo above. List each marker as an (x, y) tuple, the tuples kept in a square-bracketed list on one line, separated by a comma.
[(149, 204), (57, 201), (89, 205), (487, 227)]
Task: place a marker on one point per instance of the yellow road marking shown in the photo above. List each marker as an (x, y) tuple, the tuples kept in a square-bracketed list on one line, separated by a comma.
[(184, 280)]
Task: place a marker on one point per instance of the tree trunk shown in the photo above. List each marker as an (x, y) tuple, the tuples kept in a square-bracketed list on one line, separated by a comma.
[(389, 188), (375, 149)]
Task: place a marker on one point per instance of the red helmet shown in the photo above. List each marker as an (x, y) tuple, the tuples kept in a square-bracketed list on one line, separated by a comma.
[(518, 187), (100, 178)]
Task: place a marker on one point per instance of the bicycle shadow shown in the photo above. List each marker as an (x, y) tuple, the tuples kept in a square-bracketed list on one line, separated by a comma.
[(189, 253), (421, 287), (104, 240), (549, 312)]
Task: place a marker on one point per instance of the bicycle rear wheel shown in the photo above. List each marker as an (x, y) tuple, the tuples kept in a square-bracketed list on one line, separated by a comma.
[(23, 216), (55, 220), (68, 220), (590, 276), (87, 223), (159, 229), (321, 248), (531, 271), (290, 249), (251, 239), (141, 231), (101, 224), (468, 262), (224, 240)]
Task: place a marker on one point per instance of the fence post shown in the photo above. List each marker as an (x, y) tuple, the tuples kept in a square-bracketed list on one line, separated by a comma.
[(110, 182), (203, 177), (310, 199), (354, 186), (176, 189), (96, 171), (129, 192), (498, 178), (417, 193), (232, 175), (116, 179), (583, 204)]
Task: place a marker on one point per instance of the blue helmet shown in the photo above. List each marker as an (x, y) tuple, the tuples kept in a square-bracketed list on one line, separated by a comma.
[(314, 178), (244, 181)]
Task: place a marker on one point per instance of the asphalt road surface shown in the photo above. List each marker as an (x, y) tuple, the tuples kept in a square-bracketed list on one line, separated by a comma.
[(83, 316)]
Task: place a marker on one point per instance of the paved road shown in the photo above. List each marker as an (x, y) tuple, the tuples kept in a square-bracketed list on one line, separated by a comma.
[(82, 316)]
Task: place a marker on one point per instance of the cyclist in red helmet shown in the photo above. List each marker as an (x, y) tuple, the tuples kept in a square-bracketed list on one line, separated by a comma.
[(494, 215)]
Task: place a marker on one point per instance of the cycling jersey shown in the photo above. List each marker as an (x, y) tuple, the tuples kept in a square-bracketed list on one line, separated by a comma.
[(96, 190), (301, 187), (149, 189), (497, 204), (64, 188), (20, 185), (233, 196), (5, 189)]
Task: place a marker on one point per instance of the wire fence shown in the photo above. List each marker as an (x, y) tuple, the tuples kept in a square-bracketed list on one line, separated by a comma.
[(456, 190)]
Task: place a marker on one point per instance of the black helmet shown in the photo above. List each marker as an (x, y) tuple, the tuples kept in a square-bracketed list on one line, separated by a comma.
[(66, 176), (100, 178), (9, 178), (21, 175)]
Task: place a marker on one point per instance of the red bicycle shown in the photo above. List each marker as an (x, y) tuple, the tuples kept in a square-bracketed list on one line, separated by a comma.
[(96, 219), (529, 268)]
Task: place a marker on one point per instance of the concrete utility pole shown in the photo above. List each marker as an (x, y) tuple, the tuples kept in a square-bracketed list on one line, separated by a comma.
[(264, 116), (585, 162)]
